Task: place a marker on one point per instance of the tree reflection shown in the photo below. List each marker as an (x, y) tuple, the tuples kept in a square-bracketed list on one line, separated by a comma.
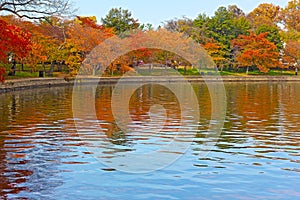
[(28, 162), (139, 107), (266, 113), (37, 133)]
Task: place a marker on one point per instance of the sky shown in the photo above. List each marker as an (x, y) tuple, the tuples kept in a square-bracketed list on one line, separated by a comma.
[(158, 11)]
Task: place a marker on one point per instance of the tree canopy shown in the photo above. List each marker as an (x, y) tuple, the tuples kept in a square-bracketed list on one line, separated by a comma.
[(234, 39), (256, 50), (120, 20)]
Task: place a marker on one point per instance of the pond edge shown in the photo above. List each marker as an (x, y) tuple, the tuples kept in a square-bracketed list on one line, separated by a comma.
[(31, 83)]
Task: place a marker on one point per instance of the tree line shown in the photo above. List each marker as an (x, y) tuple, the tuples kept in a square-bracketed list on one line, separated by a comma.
[(267, 37)]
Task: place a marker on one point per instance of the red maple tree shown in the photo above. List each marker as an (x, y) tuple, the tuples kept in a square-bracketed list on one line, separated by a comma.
[(12, 40), (257, 51)]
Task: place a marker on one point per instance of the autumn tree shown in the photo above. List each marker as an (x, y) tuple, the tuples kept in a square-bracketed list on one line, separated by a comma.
[(216, 52), (159, 41), (36, 9), (83, 35), (264, 14), (273, 34), (256, 51), (48, 37), (120, 20), (292, 52), (290, 35), (13, 40), (86, 33), (44, 49), (290, 15), (2, 75)]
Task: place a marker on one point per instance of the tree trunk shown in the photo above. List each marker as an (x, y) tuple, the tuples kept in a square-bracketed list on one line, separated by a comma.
[(59, 66), (52, 66), (247, 70)]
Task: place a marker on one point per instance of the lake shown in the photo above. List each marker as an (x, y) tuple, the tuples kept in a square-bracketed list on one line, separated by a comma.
[(256, 155)]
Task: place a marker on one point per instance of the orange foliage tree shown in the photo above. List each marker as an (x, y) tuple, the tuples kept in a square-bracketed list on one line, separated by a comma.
[(292, 50), (290, 15), (256, 51), (14, 41), (83, 35), (46, 38), (151, 43), (217, 53), (264, 14)]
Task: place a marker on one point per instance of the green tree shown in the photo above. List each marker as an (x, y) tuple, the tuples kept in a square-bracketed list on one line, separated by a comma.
[(273, 35), (146, 27), (120, 20), (224, 26), (201, 24), (221, 26), (201, 20)]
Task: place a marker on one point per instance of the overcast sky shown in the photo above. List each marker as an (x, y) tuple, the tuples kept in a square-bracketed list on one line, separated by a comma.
[(158, 11)]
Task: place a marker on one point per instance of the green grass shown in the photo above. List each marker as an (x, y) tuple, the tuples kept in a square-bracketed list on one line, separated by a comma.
[(195, 72), (27, 73), (157, 72), (189, 71), (23, 75), (19, 75), (154, 72), (281, 72), (257, 73)]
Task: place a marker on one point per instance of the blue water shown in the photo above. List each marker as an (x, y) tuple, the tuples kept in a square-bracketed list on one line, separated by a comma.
[(257, 155)]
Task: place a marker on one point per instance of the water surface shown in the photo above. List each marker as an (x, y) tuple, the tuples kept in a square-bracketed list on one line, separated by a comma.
[(257, 155)]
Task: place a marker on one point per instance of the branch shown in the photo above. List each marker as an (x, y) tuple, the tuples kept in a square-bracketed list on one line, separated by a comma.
[(15, 4), (36, 9)]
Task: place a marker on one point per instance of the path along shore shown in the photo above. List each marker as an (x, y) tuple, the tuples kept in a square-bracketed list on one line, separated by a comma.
[(31, 83)]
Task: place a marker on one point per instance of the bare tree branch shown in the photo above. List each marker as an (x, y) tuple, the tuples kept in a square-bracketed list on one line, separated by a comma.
[(37, 9)]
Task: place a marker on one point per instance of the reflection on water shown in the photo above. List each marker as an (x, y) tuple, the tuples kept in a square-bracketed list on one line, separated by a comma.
[(144, 127), (257, 156)]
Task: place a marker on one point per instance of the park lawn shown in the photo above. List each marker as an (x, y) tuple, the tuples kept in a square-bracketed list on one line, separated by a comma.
[(190, 71), (21, 74), (29, 73)]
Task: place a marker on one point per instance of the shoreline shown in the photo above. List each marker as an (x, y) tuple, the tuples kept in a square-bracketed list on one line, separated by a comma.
[(31, 83)]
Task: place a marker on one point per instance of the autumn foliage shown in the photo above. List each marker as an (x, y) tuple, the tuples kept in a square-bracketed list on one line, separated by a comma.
[(215, 51), (233, 39), (2, 75), (256, 50), (292, 51), (13, 40)]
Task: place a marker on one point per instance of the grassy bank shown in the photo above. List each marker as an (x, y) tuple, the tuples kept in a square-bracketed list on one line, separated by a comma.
[(272, 72), (189, 71)]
